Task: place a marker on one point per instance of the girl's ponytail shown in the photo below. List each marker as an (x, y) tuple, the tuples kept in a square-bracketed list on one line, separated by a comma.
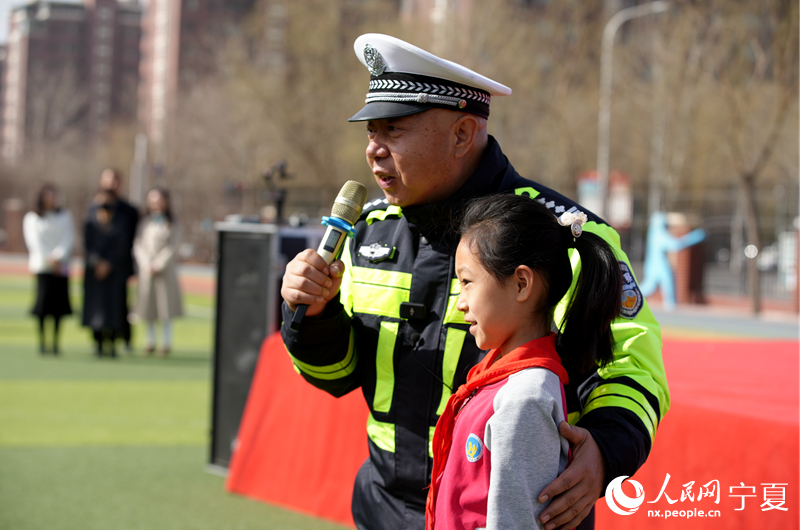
[(594, 304)]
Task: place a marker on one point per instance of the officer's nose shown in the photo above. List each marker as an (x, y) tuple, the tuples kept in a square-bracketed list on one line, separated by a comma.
[(376, 150)]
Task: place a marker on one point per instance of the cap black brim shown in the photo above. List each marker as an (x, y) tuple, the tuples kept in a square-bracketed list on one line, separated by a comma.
[(381, 110)]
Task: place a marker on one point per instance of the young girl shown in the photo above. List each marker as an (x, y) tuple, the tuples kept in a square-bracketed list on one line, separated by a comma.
[(497, 445), (104, 285)]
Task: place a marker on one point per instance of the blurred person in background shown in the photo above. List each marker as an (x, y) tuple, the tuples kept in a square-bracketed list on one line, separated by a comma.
[(49, 233), (105, 278), (126, 217), (155, 248)]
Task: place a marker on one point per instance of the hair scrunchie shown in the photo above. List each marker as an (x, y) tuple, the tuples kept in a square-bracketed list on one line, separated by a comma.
[(574, 221)]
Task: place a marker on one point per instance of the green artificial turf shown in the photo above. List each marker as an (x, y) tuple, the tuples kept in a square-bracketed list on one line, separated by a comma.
[(43, 413), (127, 488), (89, 443)]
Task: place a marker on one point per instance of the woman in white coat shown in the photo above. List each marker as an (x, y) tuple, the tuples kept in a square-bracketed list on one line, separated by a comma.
[(49, 233), (155, 249)]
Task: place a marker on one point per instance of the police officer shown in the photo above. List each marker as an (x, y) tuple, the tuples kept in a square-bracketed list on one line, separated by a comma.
[(383, 319)]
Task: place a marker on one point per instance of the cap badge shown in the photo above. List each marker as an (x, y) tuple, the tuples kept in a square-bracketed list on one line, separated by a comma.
[(374, 60)]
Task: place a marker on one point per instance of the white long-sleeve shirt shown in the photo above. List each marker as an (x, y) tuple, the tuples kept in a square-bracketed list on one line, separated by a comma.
[(50, 237)]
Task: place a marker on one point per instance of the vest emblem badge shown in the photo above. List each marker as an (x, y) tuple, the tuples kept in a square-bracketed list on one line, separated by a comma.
[(376, 252)]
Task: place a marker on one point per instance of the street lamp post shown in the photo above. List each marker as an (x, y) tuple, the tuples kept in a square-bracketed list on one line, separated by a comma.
[(604, 117)]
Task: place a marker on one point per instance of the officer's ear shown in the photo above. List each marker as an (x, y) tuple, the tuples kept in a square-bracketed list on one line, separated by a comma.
[(466, 131)]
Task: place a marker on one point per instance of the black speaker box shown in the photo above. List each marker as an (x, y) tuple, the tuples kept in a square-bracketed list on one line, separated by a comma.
[(252, 258)]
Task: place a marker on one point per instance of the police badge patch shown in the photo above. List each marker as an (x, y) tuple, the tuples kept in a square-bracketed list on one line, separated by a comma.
[(632, 299), (376, 252)]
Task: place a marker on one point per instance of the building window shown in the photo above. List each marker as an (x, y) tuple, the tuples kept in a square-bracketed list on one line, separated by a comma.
[(43, 13)]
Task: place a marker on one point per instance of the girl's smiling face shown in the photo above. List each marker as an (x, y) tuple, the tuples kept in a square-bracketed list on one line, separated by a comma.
[(497, 318)]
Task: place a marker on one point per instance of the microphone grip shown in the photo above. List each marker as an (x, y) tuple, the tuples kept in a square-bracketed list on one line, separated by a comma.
[(329, 248), (298, 317)]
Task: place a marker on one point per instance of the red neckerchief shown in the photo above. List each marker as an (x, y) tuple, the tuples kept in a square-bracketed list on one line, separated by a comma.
[(539, 353)]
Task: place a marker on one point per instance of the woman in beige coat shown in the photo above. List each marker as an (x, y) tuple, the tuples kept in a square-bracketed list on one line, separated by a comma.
[(155, 249)]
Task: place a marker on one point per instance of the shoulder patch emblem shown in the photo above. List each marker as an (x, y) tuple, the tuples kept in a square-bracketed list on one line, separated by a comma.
[(474, 448), (632, 299), (376, 252)]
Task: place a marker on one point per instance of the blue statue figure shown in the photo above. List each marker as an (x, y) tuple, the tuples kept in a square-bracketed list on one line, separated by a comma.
[(657, 270)]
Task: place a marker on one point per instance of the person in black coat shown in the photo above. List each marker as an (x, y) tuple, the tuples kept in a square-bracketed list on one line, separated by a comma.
[(126, 218), (106, 275)]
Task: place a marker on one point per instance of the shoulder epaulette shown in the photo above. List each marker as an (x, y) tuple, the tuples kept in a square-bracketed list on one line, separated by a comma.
[(371, 206), (556, 202), (379, 209)]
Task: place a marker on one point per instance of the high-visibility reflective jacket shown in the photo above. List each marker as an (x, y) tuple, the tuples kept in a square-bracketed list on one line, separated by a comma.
[(394, 331)]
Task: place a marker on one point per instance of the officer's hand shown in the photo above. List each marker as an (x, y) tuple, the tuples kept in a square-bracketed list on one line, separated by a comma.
[(309, 280), (576, 490)]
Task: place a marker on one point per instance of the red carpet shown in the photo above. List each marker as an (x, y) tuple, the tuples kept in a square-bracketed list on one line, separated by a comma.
[(734, 418)]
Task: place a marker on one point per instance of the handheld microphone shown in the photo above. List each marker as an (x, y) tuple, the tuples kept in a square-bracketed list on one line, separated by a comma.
[(344, 214)]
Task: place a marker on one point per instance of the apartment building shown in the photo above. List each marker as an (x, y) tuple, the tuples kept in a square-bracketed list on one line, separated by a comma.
[(69, 68)]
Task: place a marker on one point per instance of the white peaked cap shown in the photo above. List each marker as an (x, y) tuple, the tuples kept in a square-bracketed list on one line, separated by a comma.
[(406, 80)]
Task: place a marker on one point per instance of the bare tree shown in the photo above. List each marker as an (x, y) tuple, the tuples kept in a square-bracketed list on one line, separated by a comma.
[(56, 116), (752, 71)]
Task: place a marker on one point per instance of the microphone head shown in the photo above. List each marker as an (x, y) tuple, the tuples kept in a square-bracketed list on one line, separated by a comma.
[(350, 202)]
